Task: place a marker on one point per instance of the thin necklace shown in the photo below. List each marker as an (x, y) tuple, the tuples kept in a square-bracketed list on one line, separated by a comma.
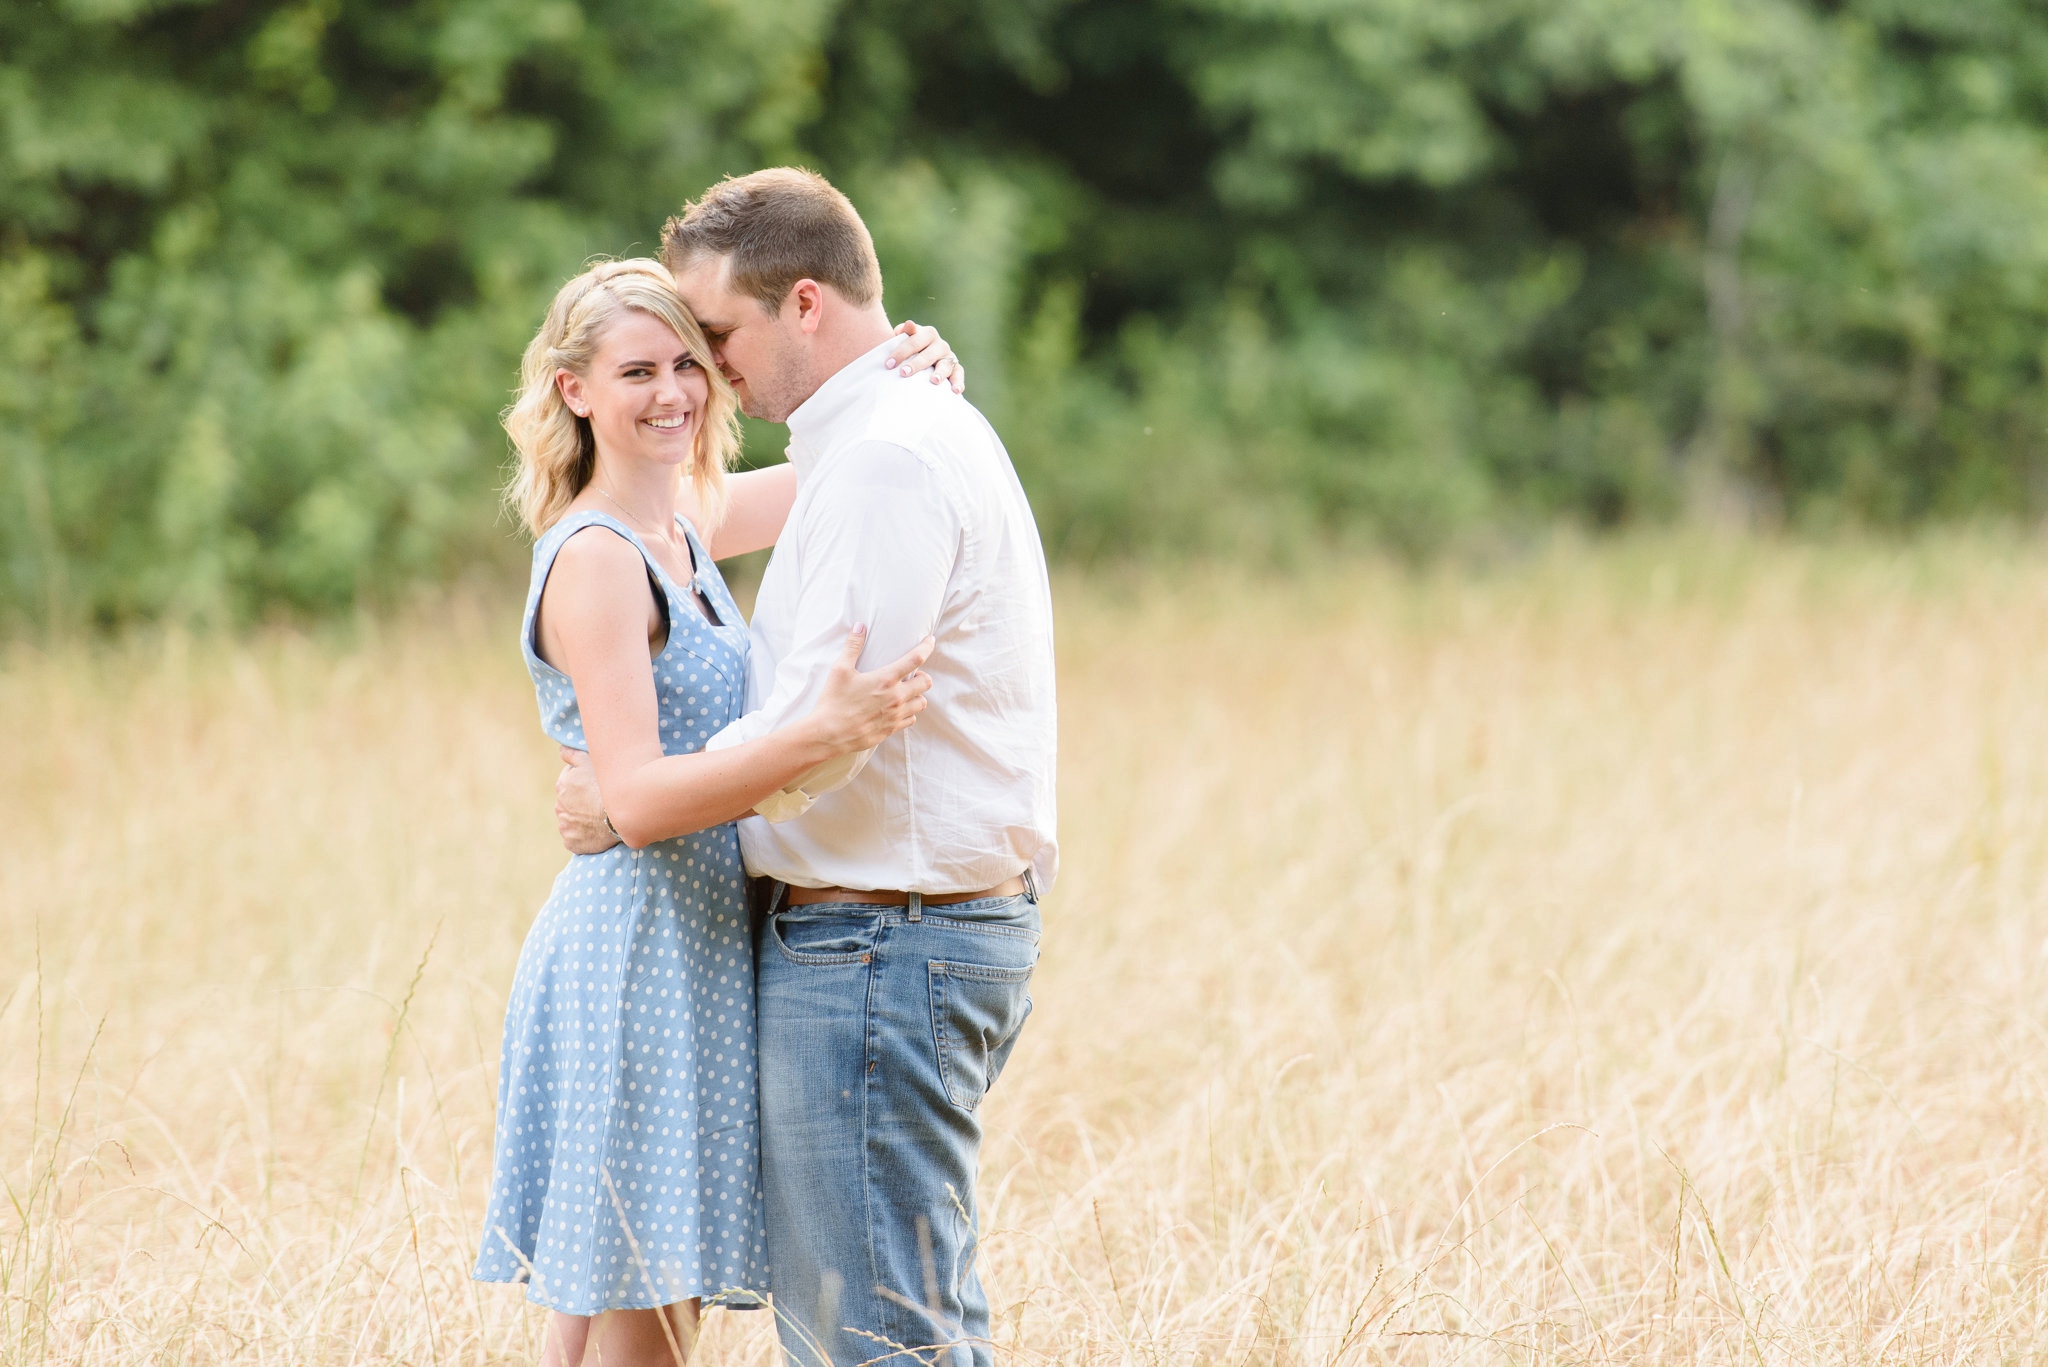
[(631, 516), (634, 518)]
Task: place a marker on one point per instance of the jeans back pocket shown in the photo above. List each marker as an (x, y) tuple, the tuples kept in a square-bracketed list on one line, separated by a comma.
[(977, 1013)]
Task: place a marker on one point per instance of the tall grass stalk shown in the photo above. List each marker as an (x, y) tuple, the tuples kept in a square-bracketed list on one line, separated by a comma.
[(1623, 955)]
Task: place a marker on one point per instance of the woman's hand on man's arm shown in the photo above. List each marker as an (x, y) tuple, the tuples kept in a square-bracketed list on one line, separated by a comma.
[(856, 711)]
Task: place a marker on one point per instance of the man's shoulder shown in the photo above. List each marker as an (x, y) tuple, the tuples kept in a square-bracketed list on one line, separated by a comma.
[(918, 416), (917, 443), (871, 461), (896, 467), (913, 432)]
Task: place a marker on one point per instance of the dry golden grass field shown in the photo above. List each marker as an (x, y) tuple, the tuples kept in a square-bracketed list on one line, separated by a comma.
[(1634, 954)]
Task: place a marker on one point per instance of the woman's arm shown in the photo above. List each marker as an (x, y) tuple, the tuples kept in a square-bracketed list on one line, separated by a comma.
[(595, 612), (757, 504), (758, 501)]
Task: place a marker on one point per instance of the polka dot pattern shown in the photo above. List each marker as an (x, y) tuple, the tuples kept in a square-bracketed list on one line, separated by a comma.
[(626, 1171)]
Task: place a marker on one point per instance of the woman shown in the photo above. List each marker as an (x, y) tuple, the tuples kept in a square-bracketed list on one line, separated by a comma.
[(625, 1184)]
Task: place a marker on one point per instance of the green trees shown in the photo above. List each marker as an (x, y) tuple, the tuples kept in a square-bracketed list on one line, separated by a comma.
[(1394, 265), (1232, 274), (265, 269)]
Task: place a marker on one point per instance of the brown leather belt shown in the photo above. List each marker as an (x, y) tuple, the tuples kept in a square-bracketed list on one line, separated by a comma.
[(799, 897)]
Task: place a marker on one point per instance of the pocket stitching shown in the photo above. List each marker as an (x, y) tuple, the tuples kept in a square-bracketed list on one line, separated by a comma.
[(944, 922), (987, 973), (938, 971), (797, 956)]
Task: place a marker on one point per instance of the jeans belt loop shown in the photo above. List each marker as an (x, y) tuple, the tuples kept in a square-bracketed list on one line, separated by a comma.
[(915, 903)]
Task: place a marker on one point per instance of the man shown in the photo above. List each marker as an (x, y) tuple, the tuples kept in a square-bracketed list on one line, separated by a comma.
[(902, 924)]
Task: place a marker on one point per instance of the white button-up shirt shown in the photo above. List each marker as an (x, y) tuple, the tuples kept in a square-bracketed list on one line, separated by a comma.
[(908, 518)]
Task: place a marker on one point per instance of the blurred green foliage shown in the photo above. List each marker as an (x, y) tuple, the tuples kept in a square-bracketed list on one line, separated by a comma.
[(1234, 276)]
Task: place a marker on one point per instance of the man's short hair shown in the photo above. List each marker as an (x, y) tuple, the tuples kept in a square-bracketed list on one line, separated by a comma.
[(777, 227)]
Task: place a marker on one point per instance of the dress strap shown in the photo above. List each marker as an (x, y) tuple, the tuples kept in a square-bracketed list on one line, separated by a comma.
[(700, 556), (576, 522), (707, 581), (550, 546)]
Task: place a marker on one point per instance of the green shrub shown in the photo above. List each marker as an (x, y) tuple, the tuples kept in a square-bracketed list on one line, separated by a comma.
[(1237, 277)]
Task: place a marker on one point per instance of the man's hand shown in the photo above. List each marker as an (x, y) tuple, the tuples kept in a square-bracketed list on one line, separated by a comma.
[(579, 811)]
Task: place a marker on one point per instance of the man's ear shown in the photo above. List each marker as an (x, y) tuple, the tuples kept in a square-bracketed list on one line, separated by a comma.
[(808, 297)]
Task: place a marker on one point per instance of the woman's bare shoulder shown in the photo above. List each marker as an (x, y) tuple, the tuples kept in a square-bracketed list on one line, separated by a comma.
[(596, 570), (598, 551)]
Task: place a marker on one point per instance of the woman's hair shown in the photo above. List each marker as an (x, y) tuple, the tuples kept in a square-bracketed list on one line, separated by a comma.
[(556, 449)]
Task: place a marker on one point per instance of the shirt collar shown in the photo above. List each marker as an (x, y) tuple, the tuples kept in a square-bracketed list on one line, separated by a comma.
[(814, 426)]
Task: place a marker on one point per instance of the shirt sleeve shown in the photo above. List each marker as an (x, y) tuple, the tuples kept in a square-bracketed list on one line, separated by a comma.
[(880, 544)]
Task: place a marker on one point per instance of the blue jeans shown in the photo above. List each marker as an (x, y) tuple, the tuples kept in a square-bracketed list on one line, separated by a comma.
[(881, 1029)]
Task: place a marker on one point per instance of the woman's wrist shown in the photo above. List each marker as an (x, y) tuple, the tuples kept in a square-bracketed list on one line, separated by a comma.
[(811, 743)]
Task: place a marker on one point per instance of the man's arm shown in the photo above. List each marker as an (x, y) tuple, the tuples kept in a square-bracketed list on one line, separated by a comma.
[(880, 543)]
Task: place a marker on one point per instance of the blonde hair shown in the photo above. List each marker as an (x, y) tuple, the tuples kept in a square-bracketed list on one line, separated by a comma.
[(557, 451)]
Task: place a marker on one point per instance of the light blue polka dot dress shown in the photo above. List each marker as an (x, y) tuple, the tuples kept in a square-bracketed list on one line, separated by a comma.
[(626, 1171)]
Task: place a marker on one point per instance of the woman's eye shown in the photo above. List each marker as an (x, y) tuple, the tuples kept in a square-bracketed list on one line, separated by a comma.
[(687, 363)]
